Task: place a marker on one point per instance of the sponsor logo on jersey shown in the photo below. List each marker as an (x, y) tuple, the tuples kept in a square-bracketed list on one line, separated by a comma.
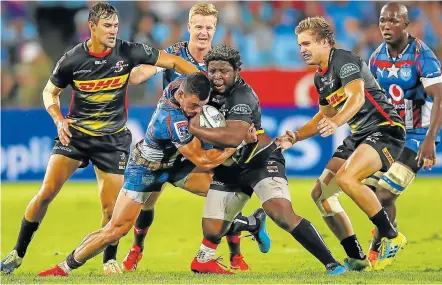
[(104, 84), (119, 66), (100, 61), (82, 71), (241, 109), (396, 93), (336, 97), (348, 69), (182, 130)]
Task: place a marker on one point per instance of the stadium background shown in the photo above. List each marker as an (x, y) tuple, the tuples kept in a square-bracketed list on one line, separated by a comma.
[(36, 34)]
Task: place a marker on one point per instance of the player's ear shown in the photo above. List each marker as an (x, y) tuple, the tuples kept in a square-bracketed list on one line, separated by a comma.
[(91, 25), (407, 23), (188, 27)]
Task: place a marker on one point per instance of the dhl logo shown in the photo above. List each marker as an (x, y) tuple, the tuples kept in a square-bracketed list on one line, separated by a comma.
[(336, 97), (110, 83)]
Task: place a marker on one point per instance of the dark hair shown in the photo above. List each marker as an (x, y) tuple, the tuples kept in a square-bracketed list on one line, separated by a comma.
[(224, 53), (197, 84), (101, 10)]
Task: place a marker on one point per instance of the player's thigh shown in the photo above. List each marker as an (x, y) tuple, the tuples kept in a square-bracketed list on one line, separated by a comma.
[(191, 178), (223, 205), (364, 161), (59, 169), (109, 185), (153, 199)]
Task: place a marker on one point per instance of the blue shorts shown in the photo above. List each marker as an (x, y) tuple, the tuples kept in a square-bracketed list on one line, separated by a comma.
[(414, 138), (141, 179)]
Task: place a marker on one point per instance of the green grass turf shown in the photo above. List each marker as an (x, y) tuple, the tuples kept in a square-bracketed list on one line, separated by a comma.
[(175, 236)]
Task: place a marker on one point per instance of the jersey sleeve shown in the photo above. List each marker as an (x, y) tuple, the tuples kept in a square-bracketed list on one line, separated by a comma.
[(62, 74), (429, 67), (178, 126), (347, 67), (240, 105), (143, 54)]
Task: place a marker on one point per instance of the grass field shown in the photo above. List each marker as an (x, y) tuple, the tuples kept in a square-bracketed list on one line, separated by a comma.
[(175, 236)]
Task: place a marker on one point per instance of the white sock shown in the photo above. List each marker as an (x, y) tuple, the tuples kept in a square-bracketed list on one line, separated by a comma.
[(205, 254), (65, 267)]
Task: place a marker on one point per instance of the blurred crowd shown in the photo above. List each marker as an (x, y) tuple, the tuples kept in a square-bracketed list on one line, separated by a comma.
[(35, 34)]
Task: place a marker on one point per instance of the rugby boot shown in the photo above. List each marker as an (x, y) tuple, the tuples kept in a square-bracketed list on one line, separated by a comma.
[(212, 266), (388, 250), (353, 264), (260, 235), (11, 262), (54, 271), (335, 269), (111, 267), (372, 255), (237, 262), (130, 262)]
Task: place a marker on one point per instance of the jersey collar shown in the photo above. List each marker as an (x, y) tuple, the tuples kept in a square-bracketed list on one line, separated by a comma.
[(410, 41), (330, 57), (96, 54)]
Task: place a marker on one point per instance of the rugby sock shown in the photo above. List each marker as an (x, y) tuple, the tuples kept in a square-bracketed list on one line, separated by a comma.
[(243, 223), (307, 235), (207, 251), (352, 247), (234, 244), (385, 228), (374, 245), (141, 227), (110, 252), (70, 263), (27, 230)]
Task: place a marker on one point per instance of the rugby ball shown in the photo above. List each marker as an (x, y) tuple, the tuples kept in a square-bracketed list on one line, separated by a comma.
[(210, 117)]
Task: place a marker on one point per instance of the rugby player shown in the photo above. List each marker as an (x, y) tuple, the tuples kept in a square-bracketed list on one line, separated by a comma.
[(409, 72), (156, 159), (257, 167), (201, 27), (349, 94), (95, 126)]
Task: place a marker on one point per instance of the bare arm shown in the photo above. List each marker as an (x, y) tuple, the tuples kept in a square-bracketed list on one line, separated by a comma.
[(229, 136), (170, 61), (141, 73), (205, 159), (311, 127), (355, 100), (51, 94)]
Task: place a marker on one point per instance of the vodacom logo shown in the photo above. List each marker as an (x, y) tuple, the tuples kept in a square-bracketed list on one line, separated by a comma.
[(396, 92), (302, 91)]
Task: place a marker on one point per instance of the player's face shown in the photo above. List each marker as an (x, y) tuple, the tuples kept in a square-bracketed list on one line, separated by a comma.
[(191, 104), (106, 31), (392, 26), (221, 76), (201, 29), (312, 51)]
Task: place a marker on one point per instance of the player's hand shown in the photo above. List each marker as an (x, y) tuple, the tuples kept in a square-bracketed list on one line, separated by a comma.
[(64, 134), (427, 154), (194, 122), (287, 140), (251, 135), (326, 127)]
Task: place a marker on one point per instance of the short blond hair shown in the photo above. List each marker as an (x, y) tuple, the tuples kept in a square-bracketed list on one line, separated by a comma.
[(204, 9), (319, 27)]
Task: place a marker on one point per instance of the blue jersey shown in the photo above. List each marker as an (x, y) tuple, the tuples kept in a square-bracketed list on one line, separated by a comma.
[(180, 49), (404, 80), (168, 128)]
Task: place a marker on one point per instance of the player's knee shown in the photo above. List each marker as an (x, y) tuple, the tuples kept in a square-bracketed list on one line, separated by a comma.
[(47, 193), (281, 212), (397, 178), (316, 192), (344, 180), (325, 194)]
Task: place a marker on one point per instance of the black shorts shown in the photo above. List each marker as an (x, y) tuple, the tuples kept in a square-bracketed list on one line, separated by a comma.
[(109, 153), (244, 178), (388, 141)]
